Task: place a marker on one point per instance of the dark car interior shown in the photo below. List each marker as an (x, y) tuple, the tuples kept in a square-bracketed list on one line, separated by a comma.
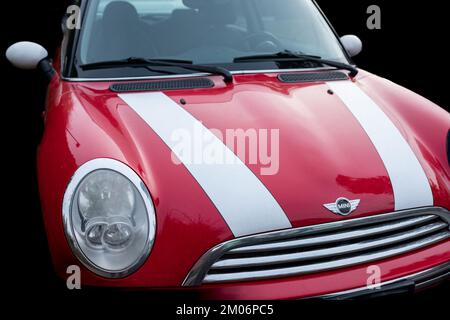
[(202, 24)]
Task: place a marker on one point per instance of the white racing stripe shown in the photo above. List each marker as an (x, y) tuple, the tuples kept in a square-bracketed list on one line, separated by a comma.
[(409, 181), (243, 201)]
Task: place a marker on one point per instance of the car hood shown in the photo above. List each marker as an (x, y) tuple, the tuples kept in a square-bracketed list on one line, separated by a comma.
[(325, 141)]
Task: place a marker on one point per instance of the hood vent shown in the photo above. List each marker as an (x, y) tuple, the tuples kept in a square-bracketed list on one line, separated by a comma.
[(312, 77), (182, 84)]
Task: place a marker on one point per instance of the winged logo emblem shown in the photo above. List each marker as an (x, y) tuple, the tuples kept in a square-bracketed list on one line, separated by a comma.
[(343, 206)]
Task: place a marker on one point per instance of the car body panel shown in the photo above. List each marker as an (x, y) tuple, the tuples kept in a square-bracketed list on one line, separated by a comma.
[(324, 154), (424, 126)]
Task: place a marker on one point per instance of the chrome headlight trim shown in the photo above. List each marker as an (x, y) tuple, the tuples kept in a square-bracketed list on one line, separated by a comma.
[(69, 196)]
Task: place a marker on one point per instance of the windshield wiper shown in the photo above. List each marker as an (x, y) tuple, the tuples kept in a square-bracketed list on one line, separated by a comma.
[(145, 63), (287, 55)]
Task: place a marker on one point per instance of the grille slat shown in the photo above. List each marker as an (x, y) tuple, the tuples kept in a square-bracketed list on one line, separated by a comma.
[(325, 266), (328, 252), (336, 236), (321, 248)]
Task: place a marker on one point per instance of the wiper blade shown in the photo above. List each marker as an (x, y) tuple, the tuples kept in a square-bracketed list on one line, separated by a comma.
[(129, 62), (285, 55), (292, 56), (143, 62)]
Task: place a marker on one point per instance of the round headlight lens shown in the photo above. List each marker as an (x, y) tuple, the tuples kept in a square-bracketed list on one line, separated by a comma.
[(94, 234), (109, 218), (118, 235), (106, 193)]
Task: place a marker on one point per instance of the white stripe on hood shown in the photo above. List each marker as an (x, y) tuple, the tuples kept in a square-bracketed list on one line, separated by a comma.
[(241, 198), (409, 181)]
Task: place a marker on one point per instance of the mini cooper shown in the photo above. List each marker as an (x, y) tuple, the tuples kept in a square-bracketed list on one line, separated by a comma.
[(232, 148)]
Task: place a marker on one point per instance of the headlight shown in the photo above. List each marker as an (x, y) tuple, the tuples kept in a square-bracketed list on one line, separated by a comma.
[(109, 218)]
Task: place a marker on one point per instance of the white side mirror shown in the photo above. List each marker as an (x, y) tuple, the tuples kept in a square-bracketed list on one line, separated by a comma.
[(352, 44), (26, 55)]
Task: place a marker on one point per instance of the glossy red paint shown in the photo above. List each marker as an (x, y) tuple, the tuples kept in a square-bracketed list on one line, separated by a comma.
[(320, 142), (324, 153), (423, 124), (81, 131)]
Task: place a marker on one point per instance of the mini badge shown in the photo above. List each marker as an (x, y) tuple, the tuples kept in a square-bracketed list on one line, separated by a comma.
[(343, 206)]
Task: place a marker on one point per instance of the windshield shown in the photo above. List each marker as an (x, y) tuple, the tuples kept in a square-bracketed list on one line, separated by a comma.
[(204, 31)]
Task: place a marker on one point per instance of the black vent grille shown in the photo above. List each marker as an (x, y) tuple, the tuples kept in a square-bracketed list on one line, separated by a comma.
[(312, 77), (163, 85)]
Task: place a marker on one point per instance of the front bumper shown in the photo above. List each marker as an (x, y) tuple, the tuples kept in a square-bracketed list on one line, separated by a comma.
[(409, 284)]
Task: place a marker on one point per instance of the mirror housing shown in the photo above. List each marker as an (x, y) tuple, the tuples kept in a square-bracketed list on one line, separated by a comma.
[(352, 44), (29, 56)]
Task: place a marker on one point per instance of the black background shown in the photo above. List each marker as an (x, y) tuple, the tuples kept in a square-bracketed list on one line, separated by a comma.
[(410, 49)]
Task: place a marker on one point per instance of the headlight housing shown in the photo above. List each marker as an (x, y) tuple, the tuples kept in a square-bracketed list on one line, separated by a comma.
[(109, 218)]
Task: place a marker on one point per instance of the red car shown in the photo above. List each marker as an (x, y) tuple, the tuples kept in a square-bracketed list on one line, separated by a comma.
[(231, 147)]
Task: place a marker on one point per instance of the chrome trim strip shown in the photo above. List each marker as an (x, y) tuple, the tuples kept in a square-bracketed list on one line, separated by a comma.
[(199, 270), (324, 266), (193, 75), (433, 281), (78, 176), (328, 252), (440, 272), (341, 236)]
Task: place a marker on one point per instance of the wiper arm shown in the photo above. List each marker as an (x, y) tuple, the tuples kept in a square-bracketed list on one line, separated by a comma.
[(129, 62), (143, 62), (282, 55), (133, 62), (292, 56)]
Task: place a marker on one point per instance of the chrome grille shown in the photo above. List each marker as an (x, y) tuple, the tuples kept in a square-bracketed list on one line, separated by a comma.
[(322, 247)]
